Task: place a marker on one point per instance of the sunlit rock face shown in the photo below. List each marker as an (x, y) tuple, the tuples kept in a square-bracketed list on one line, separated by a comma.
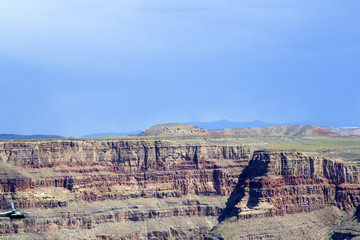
[(86, 184), (278, 183), (287, 183), (158, 189)]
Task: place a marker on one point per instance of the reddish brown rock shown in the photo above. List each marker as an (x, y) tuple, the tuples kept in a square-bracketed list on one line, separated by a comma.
[(85, 185), (60, 175), (279, 183)]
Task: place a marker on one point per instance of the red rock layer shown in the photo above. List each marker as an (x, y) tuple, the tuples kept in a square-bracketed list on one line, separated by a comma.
[(56, 174), (93, 215), (278, 183)]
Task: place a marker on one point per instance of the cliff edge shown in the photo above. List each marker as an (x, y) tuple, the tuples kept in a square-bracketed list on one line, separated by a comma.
[(291, 185), (160, 190)]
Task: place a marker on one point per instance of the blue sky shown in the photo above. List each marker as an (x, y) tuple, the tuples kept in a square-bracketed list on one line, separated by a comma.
[(79, 67)]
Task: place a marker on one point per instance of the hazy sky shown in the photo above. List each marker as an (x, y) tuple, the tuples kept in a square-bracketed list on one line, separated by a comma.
[(87, 66)]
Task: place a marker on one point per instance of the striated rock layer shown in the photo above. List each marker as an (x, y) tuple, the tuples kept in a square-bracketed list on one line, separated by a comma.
[(281, 183), (93, 188), (61, 176), (278, 183)]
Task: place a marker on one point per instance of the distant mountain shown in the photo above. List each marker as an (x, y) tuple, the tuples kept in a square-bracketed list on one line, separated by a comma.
[(111, 134), (173, 129), (222, 124), (19, 136)]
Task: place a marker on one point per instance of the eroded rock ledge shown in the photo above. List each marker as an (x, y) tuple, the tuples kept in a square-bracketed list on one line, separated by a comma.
[(55, 179), (282, 183), (278, 183), (87, 186)]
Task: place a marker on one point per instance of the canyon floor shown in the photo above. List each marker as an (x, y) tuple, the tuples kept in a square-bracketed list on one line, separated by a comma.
[(181, 187)]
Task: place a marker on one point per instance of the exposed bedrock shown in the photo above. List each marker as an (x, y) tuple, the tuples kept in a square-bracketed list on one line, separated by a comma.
[(62, 175), (142, 181), (87, 216), (278, 183), (128, 156), (89, 164)]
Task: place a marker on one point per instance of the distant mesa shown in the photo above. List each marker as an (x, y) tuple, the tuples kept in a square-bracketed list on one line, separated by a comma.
[(173, 129), (187, 129)]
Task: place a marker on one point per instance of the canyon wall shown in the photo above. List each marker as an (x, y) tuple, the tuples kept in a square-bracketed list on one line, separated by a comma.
[(278, 183), (95, 187), (59, 175), (283, 183)]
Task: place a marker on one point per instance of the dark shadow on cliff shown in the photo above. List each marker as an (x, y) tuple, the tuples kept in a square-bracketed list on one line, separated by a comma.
[(356, 216), (256, 168)]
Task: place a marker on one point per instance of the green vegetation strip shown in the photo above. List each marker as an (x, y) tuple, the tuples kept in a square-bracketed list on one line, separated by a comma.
[(317, 144)]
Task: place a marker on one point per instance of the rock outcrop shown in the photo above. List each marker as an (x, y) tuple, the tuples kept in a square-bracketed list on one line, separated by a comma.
[(62, 176), (168, 190), (282, 183)]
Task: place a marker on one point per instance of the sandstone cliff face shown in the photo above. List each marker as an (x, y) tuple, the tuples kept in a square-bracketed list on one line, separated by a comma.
[(282, 183), (130, 156), (92, 185), (278, 183), (143, 168), (55, 175)]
